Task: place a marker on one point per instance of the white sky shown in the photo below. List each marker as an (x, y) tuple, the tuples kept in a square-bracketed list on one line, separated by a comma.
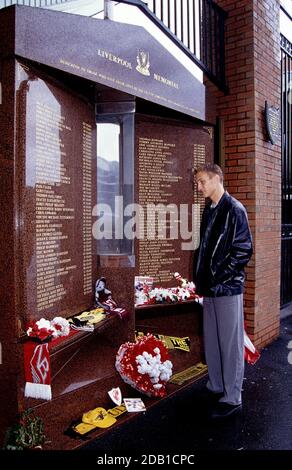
[(128, 14)]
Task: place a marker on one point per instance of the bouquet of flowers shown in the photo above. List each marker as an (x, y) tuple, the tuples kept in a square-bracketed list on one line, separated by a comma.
[(45, 330), (162, 295), (186, 290), (145, 365), (251, 354), (41, 330), (28, 433)]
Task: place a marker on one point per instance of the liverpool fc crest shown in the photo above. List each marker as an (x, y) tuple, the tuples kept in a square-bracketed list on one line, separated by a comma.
[(143, 62)]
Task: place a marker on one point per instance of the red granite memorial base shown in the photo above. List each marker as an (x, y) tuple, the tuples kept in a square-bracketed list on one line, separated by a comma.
[(48, 169)]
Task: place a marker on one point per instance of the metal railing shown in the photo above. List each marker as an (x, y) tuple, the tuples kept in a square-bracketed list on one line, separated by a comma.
[(195, 26), (286, 122)]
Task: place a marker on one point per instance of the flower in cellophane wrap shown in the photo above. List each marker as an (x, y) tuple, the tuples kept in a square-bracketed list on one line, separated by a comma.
[(251, 354), (42, 330), (61, 326), (145, 365)]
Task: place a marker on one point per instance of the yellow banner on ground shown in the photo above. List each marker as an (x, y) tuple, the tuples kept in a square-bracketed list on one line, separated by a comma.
[(170, 342), (190, 373)]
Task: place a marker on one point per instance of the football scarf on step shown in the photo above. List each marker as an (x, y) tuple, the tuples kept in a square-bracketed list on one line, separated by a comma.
[(37, 370)]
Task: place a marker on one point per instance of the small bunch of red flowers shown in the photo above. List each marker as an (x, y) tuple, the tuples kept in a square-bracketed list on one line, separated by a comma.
[(45, 330)]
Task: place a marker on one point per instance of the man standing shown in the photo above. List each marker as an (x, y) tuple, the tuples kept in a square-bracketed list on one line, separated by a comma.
[(225, 249)]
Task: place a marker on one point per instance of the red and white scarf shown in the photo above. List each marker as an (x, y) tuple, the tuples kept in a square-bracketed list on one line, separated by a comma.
[(37, 366), (37, 370)]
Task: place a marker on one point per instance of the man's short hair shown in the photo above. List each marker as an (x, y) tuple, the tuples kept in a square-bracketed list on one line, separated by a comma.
[(211, 169)]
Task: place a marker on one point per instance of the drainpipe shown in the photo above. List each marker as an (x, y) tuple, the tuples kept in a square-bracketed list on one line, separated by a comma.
[(108, 10)]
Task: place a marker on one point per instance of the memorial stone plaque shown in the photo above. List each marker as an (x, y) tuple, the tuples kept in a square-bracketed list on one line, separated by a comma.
[(273, 122), (57, 173), (170, 206)]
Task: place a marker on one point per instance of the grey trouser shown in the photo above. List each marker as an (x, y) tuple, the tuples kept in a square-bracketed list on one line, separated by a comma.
[(224, 345)]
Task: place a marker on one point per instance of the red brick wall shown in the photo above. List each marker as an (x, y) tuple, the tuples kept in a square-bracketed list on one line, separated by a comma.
[(252, 163)]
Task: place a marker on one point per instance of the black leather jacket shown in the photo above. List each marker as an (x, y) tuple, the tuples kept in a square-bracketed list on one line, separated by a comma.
[(225, 248)]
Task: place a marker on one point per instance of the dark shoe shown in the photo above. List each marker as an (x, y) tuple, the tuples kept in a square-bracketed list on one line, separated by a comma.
[(222, 410), (213, 396)]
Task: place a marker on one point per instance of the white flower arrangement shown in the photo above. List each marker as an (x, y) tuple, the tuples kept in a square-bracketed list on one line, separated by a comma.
[(42, 323), (161, 294), (46, 329), (186, 290), (61, 326), (152, 365)]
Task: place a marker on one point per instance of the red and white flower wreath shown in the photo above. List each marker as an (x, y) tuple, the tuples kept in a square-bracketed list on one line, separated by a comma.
[(145, 365)]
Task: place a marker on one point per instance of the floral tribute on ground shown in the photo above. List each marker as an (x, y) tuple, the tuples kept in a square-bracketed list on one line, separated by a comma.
[(27, 433), (145, 365)]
